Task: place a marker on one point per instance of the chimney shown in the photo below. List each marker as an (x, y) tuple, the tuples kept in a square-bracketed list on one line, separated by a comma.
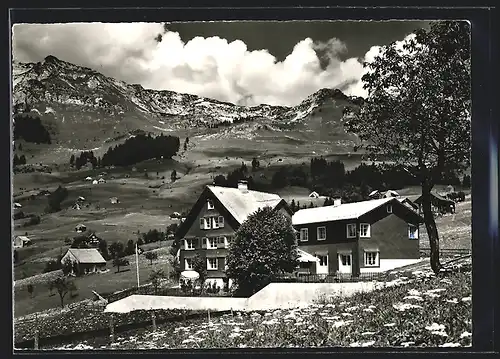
[(337, 202), (243, 186)]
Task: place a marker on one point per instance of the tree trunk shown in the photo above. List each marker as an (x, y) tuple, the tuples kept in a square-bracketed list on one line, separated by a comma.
[(430, 225), (62, 300)]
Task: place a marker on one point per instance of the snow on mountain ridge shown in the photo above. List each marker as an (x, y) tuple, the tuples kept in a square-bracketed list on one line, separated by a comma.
[(54, 82)]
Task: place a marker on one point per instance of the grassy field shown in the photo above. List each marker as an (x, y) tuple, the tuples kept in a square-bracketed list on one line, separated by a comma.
[(422, 310), (103, 283), (455, 230), (148, 196)]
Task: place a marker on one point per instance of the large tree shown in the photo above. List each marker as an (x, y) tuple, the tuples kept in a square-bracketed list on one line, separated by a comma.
[(264, 246), (417, 112)]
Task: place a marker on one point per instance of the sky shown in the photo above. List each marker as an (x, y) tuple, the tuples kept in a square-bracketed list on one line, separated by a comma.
[(246, 63)]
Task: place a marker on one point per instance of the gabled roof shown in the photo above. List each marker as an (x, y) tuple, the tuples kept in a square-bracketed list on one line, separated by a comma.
[(87, 255), (391, 193), (437, 196), (336, 213), (23, 238), (374, 192), (240, 204), (341, 212)]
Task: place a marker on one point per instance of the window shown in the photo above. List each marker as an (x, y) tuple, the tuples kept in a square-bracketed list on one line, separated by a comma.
[(345, 259), (188, 264), (389, 208), (189, 244), (412, 232), (364, 230), (218, 222), (351, 230), (323, 260), (304, 234), (211, 263), (321, 233), (210, 204), (205, 223), (371, 259), (212, 243)]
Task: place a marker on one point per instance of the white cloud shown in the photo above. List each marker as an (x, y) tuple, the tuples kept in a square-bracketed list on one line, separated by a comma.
[(210, 67)]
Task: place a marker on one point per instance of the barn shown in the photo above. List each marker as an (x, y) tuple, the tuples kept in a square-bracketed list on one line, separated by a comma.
[(88, 260)]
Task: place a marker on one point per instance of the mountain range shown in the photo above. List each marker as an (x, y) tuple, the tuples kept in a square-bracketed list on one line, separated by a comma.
[(84, 108)]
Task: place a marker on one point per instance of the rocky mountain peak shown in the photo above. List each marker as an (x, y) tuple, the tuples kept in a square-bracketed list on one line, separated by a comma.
[(72, 95)]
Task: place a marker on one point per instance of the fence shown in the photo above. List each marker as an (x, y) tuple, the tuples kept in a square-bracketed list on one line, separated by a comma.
[(151, 290), (57, 330), (447, 252), (334, 278)]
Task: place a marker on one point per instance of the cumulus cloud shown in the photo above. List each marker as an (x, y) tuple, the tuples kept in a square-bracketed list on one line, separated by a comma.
[(210, 67), (357, 87)]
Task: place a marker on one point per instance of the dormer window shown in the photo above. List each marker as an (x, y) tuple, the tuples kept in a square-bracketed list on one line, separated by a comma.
[(210, 204)]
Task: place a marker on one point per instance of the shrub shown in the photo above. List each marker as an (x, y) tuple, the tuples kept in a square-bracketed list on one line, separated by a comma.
[(264, 246), (52, 265), (120, 262)]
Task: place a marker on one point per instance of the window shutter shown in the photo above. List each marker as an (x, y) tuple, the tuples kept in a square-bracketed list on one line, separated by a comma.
[(221, 222), (202, 223), (183, 244), (204, 242)]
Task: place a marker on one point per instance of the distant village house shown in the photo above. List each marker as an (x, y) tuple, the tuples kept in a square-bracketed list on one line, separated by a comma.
[(376, 194), (21, 242), (87, 260), (439, 204), (314, 195), (80, 228)]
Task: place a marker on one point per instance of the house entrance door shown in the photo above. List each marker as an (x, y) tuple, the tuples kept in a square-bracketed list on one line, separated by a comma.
[(345, 263)]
